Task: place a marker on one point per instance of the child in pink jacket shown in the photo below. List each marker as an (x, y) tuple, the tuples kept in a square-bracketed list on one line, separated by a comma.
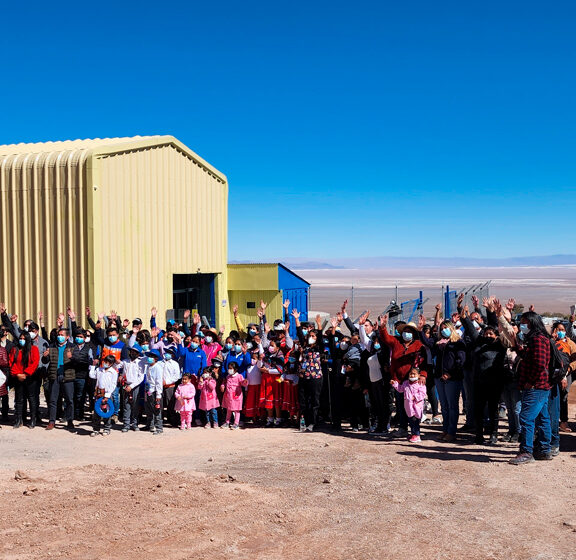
[(209, 402), (233, 397), (185, 403), (414, 395)]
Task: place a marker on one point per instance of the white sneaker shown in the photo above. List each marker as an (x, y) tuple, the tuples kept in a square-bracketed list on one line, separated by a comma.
[(310, 428)]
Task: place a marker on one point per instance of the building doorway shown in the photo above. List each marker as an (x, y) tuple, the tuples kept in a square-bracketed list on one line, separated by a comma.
[(194, 292)]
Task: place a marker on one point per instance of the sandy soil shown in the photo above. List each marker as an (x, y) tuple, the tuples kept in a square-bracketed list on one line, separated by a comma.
[(276, 493)]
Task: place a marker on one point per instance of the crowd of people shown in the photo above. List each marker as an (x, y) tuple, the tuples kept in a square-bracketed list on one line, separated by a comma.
[(383, 377)]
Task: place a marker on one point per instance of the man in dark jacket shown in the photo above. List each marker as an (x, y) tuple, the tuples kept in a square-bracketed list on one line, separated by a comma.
[(83, 356)]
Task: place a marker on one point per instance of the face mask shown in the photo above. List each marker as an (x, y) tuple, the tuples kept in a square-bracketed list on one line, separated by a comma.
[(228, 346), (446, 332), (311, 341), (216, 363), (476, 325), (377, 347), (326, 341), (238, 348), (458, 324), (22, 342), (291, 359), (520, 336), (208, 340), (79, 340), (150, 360), (335, 339), (26, 328), (343, 346), (413, 379), (396, 333), (193, 345), (249, 345), (252, 332), (524, 329), (304, 332), (33, 335), (407, 336), (61, 339), (167, 356), (279, 327), (145, 347), (113, 339), (201, 334), (182, 335), (272, 349), (107, 366), (561, 335), (254, 360), (231, 371)]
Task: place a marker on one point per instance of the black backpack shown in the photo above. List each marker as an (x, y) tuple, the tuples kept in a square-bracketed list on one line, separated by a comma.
[(559, 364)]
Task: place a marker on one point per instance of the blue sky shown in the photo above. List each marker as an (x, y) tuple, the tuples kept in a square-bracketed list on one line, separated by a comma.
[(345, 129)]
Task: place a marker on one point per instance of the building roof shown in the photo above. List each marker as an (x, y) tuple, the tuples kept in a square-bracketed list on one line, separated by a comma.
[(267, 264), (28, 155)]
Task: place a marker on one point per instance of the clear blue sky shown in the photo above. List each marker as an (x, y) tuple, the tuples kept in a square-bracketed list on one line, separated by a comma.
[(345, 128)]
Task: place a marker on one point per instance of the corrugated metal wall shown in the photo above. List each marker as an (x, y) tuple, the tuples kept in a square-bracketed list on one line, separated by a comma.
[(240, 297), (157, 212), (43, 232), (106, 223)]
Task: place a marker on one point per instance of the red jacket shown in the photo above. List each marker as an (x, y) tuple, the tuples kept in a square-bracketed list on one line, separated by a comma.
[(404, 357), (16, 367)]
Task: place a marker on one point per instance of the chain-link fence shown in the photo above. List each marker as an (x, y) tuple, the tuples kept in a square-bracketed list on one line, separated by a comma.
[(481, 291)]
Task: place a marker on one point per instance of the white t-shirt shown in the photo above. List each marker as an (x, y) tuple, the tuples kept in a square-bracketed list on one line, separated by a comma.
[(374, 370)]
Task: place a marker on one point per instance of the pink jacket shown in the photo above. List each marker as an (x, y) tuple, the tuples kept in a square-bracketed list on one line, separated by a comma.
[(233, 392), (184, 396), (211, 351), (208, 395), (414, 395)]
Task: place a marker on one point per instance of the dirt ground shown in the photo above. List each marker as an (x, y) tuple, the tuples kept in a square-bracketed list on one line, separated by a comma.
[(276, 493)]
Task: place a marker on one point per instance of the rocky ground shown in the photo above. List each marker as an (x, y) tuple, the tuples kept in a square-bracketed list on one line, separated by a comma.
[(276, 493)]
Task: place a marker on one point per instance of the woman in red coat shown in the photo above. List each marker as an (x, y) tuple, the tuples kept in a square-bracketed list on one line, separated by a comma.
[(24, 360)]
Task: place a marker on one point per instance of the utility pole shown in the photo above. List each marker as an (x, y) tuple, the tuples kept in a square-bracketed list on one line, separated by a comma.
[(352, 298)]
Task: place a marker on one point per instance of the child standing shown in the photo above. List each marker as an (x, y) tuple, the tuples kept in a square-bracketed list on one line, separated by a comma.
[(106, 381), (232, 402), (208, 397), (132, 382), (185, 403), (254, 377), (154, 382), (414, 395)]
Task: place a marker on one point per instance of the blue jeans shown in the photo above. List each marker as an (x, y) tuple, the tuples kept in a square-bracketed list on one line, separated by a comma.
[(212, 417), (401, 416), (512, 399), (534, 406), (554, 414), (449, 395), (116, 401), (414, 425)]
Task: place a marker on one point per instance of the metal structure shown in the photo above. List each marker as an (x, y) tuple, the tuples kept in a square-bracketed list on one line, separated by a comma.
[(481, 291), (98, 223)]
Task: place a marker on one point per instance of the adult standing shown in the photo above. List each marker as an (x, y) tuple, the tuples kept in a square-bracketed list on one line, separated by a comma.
[(24, 359)]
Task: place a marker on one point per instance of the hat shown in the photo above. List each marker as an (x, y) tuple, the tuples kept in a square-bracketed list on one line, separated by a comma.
[(137, 321), (212, 333), (411, 325), (171, 322), (154, 354), (136, 348), (170, 350)]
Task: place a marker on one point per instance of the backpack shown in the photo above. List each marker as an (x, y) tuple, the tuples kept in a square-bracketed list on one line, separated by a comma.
[(559, 364)]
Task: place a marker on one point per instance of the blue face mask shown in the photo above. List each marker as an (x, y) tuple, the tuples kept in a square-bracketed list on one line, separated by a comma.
[(561, 335), (150, 360), (238, 348), (291, 359), (193, 345), (407, 336), (228, 346), (524, 329), (61, 339), (113, 339), (304, 332), (446, 332), (167, 356), (252, 332), (145, 347), (79, 340), (209, 340), (396, 333), (22, 342), (377, 347), (182, 335)]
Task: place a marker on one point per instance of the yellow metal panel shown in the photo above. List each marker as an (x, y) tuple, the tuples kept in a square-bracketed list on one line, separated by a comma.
[(274, 309), (248, 276)]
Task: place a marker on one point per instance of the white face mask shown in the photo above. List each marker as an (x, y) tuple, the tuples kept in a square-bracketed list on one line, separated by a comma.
[(413, 379), (33, 335), (311, 341), (87, 339), (231, 372)]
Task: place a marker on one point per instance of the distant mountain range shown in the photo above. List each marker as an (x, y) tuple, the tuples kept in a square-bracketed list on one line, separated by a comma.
[(428, 262)]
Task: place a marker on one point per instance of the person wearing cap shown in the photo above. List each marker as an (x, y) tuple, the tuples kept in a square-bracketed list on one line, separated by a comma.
[(133, 370), (406, 352), (154, 385), (170, 379)]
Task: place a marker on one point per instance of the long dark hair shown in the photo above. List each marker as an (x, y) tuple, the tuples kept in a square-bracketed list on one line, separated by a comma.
[(534, 323), (24, 349)]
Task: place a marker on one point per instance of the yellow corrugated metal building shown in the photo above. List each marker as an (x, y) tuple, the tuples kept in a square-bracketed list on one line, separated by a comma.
[(106, 223)]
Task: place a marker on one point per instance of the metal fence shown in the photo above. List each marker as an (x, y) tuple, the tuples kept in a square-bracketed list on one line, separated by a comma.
[(481, 291)]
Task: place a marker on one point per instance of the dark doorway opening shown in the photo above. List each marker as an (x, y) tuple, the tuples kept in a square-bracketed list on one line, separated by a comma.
[(194, 292)]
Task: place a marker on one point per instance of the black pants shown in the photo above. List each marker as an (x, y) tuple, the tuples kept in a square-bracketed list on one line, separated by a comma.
[(486, 396), (431, 394), (380, 400), (25, 390), (564, 400), (309, 390), (336, 380), (358, 410)]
